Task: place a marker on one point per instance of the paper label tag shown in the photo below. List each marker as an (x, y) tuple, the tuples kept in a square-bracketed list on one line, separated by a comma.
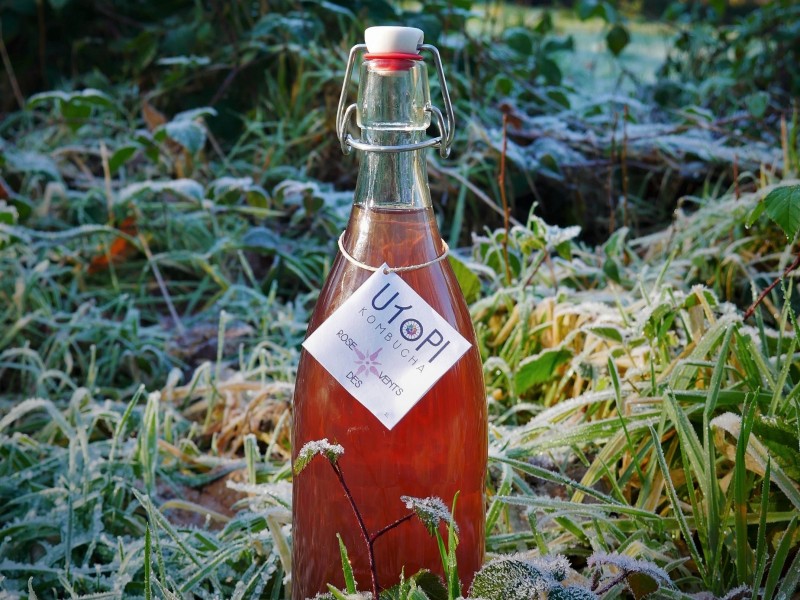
[(386, 346)]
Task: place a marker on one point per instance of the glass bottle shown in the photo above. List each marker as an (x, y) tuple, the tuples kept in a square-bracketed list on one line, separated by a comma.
[(440, 446)]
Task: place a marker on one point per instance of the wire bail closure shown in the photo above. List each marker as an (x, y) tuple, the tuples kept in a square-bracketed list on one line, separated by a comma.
[(446, 126)]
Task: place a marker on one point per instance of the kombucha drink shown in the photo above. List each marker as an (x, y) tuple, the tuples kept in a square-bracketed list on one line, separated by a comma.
[(439, 447)]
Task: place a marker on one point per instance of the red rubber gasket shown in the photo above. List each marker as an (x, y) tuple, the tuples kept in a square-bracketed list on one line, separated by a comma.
[(393, 56)]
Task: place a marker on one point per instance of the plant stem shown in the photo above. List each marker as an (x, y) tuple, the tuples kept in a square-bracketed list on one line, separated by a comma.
[(10, 71), (364, 533), (501, 181), (770, 287), (618, 578), (389, 527)]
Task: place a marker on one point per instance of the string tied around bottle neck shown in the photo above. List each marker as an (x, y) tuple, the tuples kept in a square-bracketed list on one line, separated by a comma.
[(386, 270)]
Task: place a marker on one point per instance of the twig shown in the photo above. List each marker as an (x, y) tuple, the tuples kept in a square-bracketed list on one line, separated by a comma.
[(770, 287), (160, 280), (42, 41), (785, 144), (438, 171), (623, 158), (389, 527), (612, 217), (107, 179), (501, 182), (617, 579), (362, 527), (225, 85), (10, 71)]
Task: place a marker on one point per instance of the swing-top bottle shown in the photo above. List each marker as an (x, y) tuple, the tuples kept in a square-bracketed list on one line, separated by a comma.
[(390, 369)]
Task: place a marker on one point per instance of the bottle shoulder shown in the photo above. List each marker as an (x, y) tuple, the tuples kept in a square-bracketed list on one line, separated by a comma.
[(435, 283)]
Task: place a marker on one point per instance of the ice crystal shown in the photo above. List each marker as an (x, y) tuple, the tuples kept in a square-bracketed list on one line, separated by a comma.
[(739, 593), (431, 511), (630, 565), (320, 447), (556, 565), (570, 592)]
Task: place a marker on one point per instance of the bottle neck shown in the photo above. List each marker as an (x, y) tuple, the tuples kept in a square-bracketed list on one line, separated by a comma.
[(393, 109), (396, 180)]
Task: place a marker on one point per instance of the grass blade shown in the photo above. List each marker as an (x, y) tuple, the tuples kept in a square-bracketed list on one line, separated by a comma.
[(347, 568)]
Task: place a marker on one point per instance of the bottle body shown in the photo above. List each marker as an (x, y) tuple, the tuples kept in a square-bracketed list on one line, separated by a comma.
[(439, 448)]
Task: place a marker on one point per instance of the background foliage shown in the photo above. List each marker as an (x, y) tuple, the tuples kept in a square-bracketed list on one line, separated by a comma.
[(170, 189)]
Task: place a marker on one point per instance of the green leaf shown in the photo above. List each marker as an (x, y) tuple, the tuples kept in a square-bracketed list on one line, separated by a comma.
[(431, 584), (757, 104), (316, 448), (187, 188), (520, 40), (607, 333), (467, 280), (641, 585), (570, 592), (781, 554), (539, 368), (261, 238), (188, 134), (506, 579), (347, 568), (783, 206), (121, 156), (617, 38), (23, 161), (148, 584)]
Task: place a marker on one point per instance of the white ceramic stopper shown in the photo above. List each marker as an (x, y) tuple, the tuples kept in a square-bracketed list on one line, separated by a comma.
[(385, 39)]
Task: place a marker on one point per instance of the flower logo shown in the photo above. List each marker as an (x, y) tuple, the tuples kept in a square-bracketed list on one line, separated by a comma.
[(367, 362), (411, 329)]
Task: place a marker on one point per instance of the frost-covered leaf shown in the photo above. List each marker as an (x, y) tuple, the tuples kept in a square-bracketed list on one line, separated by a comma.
[(188, 134), (757, 104), (337, 594), (570, 592), (261, 238), (431, 511), (183, 61), (654, 574), (8, 216), (510, 578), (539, 368), (187, 128), (607, 332), (319, 447), (783, 206), (87, 97), (24, 161), (188, 188), (226, 189)]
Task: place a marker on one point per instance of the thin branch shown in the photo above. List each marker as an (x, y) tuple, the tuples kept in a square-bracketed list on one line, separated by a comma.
[(362, 527), (391, 526), (770, 287), (439, 171), (501, 181), (616, 580), (162, 286), (42, 41), (10, 71)]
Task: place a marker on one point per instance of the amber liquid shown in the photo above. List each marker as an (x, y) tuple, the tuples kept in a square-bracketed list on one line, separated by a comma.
[(439, 448)]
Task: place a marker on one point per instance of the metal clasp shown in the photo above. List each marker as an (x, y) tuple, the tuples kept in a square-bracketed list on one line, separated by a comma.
[(446, 125)]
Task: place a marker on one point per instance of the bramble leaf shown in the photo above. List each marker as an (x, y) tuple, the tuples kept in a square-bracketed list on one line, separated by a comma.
[(783, 206)]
